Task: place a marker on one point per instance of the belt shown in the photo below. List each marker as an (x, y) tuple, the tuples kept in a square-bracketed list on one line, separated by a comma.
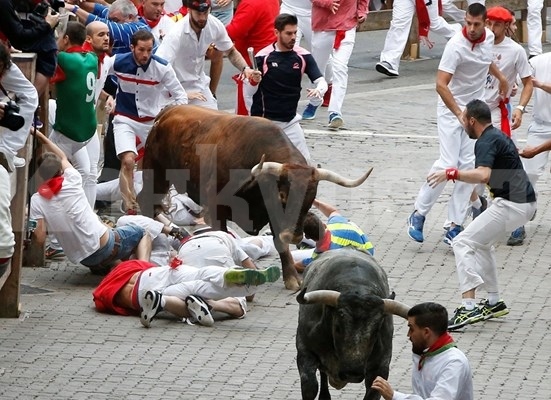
[(115, 252)]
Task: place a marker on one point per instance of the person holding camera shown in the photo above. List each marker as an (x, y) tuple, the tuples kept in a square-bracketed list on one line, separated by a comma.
[(35, 34), (16, 112)]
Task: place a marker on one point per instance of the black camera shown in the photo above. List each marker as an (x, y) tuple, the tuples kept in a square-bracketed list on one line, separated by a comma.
[(41, 8), (12, 119)]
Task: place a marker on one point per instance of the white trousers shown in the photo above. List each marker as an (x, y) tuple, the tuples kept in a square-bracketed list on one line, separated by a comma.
[(85, 157), (322, 51), (456, 151), (534, 25), (304, 26), (397, 36), (537, 134), (110, 190), (474, 247), (7, 239), (294, 132), (207, 282)]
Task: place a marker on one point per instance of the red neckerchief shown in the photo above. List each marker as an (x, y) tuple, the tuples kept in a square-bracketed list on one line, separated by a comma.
[(88, 48), (51, 187), (442, 344), (505, 126), (324, 243), (59, 74), (175, 263), (152, 24), (339, 37), (479, 40)]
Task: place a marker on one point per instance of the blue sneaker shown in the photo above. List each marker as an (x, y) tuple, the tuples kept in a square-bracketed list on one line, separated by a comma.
[(309, 112), (452, 233), (415, 226), (335, 120), (517, 237)]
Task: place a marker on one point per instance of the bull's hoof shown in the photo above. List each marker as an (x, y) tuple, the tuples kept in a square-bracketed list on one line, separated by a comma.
[(293, 283)]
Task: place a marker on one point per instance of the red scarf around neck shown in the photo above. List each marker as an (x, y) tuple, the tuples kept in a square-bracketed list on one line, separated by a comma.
[(442, 344), (59, 74), (479, 40), (152, 24), (51, 187), (89, 49)]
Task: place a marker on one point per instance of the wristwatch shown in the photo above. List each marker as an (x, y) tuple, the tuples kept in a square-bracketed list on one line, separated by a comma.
[(521, 108)]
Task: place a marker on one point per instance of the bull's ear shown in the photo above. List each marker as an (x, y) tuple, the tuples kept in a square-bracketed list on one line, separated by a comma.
[(300, 297)]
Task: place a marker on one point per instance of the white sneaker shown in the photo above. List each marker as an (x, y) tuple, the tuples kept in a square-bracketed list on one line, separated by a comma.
[(19, 162), (199, 310)]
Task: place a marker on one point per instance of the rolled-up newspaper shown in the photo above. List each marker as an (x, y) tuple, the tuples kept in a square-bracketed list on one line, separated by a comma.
[(250, 50)]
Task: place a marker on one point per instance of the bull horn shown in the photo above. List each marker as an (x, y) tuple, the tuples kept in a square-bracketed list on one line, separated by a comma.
[(327, 297), (269, 167), (328, 175), (396, 308)]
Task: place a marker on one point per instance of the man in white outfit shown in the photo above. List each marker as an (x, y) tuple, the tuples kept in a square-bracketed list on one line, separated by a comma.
[(302, 9), (398, 34), (461, 77), (440, 370), (539, 131)]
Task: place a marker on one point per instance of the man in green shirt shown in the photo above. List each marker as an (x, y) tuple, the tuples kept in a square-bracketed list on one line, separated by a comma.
[(75, 115)]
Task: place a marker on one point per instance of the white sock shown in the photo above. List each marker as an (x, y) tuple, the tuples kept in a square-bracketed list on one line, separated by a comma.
[(469, 304), (493, 298)]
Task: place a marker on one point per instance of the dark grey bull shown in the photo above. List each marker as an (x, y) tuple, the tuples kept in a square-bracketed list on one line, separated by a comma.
[(345, 323)]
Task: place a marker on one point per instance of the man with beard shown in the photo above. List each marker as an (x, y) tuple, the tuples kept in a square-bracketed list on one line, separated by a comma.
[(440, 370), (276, 96), (186, 45), (461, 77), (498, 166), (142, 79)]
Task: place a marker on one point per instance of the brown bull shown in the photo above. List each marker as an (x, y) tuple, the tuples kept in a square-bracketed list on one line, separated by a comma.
[(214, 157)]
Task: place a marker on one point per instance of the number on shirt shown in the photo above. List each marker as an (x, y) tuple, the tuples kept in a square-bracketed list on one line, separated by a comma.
[(91, 85)]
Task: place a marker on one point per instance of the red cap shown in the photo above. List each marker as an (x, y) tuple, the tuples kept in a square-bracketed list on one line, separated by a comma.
[(499, 14)]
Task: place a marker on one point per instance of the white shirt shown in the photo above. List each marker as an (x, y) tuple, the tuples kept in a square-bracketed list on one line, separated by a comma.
[(103, 73), (511, 60), (468, 65), (542, 100), (444, 376), (186, 53), (162, 29), (70, 218)]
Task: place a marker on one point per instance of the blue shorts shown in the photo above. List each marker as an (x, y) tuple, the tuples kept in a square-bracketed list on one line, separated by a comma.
[(129, 237)]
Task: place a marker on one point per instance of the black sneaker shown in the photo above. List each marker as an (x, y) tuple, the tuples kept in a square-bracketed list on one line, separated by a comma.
[(199, 310), (150, 306), (497, 310), (463, 317)]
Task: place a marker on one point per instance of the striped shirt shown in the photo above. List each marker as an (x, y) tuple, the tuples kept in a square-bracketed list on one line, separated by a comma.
[(339, 233)]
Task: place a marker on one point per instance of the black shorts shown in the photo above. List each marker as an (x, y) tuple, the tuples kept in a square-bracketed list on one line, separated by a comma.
[(46, 62)]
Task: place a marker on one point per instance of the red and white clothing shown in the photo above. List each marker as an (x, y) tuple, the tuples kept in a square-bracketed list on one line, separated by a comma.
[(182, 281), (325, 28), (469, 64), (539, 129), (398, 34), (511, 59), (446, 375), (186, 53), (70, 218)]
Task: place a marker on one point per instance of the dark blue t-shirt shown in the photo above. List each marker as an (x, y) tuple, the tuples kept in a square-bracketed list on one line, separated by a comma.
[(508, 179)]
